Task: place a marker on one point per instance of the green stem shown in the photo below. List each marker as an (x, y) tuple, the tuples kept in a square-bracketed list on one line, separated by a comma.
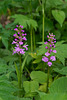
[(31, 34), (47, 80), (20, 72), (20, 76), (43, 22), (34, 39), (43, 12)]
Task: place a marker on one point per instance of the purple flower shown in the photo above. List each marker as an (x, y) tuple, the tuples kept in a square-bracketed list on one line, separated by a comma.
[(48, 39), (45, 59), (15, 39), (46, 47), (50, 50), (17, 45), (14, 35), (19, 37), (22, 51), (47, 54), (16, 25), (54, 51), (14, 42), (18, 32), (24, 38), (25, 46), (14, 52), (49, 63), (21, 26), (52, 38), (15, 29), (49, 47), (25, 34), (47, 36), (53, 58), (54, 41), (49, 33), (20, 43), (46, 42), (22, 30), (17, 49), (54, 46)]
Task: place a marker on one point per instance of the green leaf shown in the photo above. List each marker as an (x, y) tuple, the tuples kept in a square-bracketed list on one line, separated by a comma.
[(38, 59), (61, 51), (57, 34), (7, 90), (24, 20), (43, 87), (17, 71), (30, 86), (5, 42), (48, 25), (62, 71), (3, 68), (59, 16), (1, 26), (24, 99), (41, 49), (24, 62), (59, 86), (54, 3), (54, 96), (38, 76)]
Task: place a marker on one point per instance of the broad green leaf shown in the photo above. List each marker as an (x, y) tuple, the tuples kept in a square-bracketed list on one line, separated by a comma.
[(62, 71), (54, 3), (24, 99), (30, 86), (1, 98), (1, 26), (24, 20), (38, 59), (51, 96), (7, 90), (5, 42), (59, 86), (57, 34), (38, 76), (43, 87), (48, 25), (61, 51), (34, 55), (59, 16), (41, 49), (3, 68)]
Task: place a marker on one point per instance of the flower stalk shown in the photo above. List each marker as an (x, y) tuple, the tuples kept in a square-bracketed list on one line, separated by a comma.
[(48, 58), (43, 21), (20, 47)]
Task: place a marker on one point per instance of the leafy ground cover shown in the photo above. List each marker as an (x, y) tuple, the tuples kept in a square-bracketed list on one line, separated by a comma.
[(30, 67)]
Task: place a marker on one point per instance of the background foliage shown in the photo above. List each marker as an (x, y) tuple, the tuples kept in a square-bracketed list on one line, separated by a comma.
[(38, 17)]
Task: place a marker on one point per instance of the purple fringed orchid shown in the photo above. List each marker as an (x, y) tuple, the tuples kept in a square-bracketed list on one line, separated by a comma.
[(50, 45), (19, 40)]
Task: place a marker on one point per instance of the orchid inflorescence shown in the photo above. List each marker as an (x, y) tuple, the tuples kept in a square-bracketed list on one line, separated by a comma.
[(50, 46), (19, 40)]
